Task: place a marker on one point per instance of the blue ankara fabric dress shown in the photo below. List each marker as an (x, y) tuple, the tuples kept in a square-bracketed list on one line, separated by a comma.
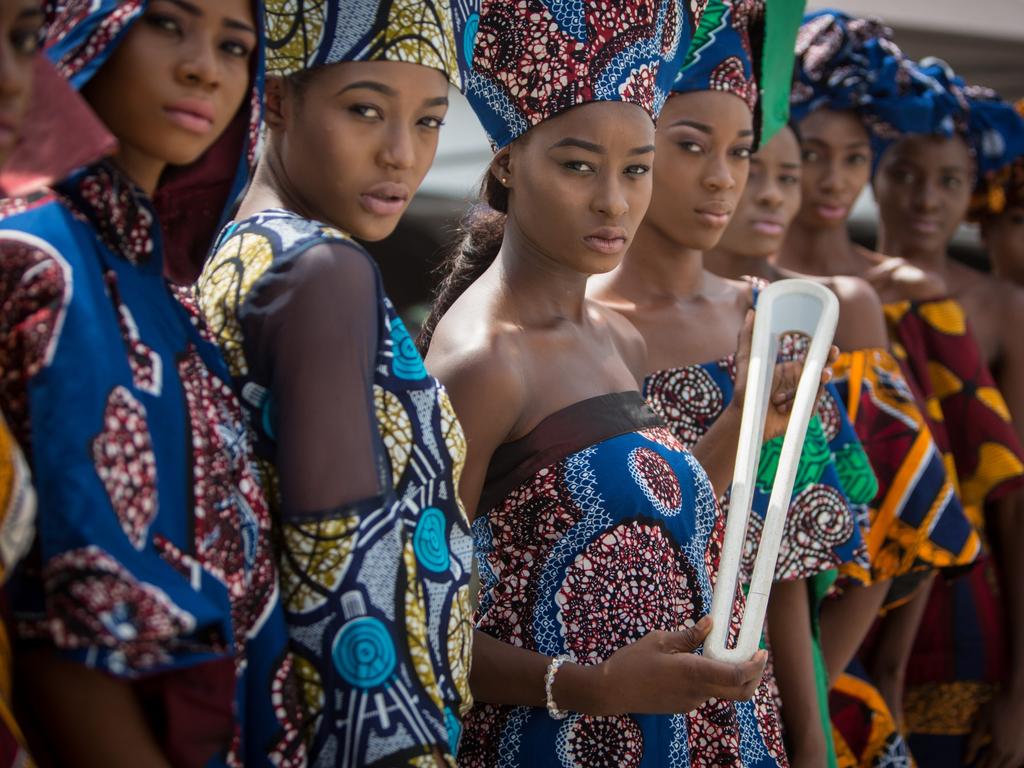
[(595, 529), (375, 589), (153, 560)]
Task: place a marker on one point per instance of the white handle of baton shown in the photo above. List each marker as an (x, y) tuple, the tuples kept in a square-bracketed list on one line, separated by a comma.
[(801, 306)]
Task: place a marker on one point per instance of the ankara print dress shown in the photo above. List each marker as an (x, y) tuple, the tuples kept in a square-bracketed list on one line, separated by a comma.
[(17, 521), (916, 521), (916, 524), (959, 656), (834, 483), (152, 560), (366, 454), (595, 529)]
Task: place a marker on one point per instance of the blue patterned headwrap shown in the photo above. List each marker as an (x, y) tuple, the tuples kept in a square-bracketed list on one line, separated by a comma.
[(720, 57), (535, 59), (848, 63), (992, 128), (303, 34), (1002, 188)]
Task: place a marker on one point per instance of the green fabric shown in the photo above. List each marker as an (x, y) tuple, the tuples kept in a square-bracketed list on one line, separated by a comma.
[(817, 587), (782, 22), (814, 459), (855, 473), (711, 21)]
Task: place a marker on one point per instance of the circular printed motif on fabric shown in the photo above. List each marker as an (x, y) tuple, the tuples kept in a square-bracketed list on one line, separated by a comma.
[(714, 733), (819, 520), (663, 436), (406, 362), (657, 480), (629, 581), (431, 541), (469, 38), (363, 652), (689, 399), (827, 508), (828, 415), (603, 742)]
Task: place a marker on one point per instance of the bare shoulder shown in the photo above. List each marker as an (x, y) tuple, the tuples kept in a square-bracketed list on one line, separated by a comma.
[(861, 317), (855, 295), (1012, 302), (479, 359)]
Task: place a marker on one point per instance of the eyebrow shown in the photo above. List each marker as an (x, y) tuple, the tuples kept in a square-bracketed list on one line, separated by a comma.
[(597, 149), (387, 90), (194, 10), (589, 146), (705, 128), (791, 166), (854, 145)]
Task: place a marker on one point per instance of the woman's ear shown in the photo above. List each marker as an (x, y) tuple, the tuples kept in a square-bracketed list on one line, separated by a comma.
[(501, 167), (275, 101)]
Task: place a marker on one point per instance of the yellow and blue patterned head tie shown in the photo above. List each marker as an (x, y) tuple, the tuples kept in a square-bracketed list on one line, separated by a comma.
[(303, 34), (535, 59)]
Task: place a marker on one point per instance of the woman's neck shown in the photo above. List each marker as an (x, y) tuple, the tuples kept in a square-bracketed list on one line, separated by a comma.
[(928, 260), (542, 289), (816, 251), (735, 266), (657, 268), (272, 188), (142, 169)]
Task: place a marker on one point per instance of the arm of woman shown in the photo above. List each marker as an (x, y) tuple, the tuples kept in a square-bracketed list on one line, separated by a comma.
[(313, 327), (1003, 716), (861, 317), (845, 620), (73, 704), (789, 628)]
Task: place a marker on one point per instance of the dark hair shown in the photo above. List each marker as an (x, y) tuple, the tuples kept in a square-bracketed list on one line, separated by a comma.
[(476, 244)]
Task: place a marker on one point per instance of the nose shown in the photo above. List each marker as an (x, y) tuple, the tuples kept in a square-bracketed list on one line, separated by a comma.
[(926, 197), (609, 199), (397, 150), (198, 63), (768, 194), (718, 177), (833, 180)]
